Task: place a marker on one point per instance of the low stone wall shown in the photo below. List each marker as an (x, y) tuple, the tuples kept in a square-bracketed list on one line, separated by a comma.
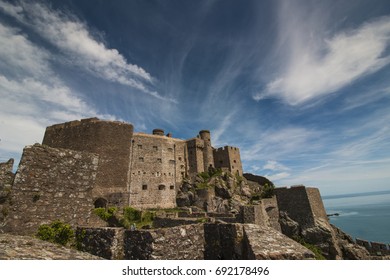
[(168, 222), (209, 241), (375, 248), (107, 242), (223, 242), (253, 214), (264, 243), (176, 243)]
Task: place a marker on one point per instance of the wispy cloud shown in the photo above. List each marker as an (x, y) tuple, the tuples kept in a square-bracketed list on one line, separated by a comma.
[(275, 166), (79, 47), (32, 96), (313, 62)]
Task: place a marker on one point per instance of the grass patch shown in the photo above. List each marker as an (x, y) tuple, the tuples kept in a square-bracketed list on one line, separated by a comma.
[(317, 251)]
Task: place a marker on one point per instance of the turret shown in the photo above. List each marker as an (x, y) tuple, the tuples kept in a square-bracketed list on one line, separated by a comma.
[(208, 158)]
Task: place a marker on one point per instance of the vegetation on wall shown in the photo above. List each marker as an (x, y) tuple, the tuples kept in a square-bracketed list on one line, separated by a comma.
[(268, 190), (129, 217), (317, 251), (56, 232), (105, 214)]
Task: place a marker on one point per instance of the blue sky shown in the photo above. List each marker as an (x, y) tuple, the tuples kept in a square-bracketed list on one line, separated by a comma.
[(302, 87)]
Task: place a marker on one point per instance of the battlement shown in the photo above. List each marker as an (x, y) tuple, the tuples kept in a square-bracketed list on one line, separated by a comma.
[(228, 158), (226, 148)]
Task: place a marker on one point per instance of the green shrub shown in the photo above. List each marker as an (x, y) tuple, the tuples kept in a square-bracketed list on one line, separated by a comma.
[(267, 191), (137, 217), (131, 214), (105, 214), (56, 232), (204, 175)]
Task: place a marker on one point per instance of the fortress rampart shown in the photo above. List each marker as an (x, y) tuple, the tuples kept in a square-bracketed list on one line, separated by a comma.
[(110, 140)]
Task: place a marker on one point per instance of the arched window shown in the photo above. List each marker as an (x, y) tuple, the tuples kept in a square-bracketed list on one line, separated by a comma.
[(161, 187), (100, 203)]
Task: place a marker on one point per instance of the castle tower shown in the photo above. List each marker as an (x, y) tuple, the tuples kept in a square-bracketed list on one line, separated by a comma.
[(208, 157), (110, 140)]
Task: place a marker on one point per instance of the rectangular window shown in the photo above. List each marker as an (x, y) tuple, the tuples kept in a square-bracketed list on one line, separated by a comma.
[(171, 161), (141, 159), (171, 187), (144, 187)]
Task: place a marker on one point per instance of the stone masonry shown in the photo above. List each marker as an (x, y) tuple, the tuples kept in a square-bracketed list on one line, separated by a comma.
[(6, 181), (138, 169), (193, 242), (51, 184)]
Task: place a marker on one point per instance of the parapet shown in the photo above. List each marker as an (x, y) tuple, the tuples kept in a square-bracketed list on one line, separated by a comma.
[(158, 131)]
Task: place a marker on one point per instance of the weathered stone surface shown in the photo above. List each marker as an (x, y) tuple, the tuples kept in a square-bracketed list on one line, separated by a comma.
[(14, 247), (254, 214), (349, 249), (6, 181), (176, 243), (323, 236), (107, 242), (265, 243), (272, 209), (223, 242), (288, 226), (51, 184)]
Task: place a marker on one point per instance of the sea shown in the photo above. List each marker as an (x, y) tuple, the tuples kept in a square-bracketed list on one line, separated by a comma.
[(361, 215)]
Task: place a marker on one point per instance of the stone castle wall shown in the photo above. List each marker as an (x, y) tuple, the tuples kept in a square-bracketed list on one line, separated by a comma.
[(295, 202), (158, 166), (111, 141), (51, 184), (316, 204), (228, 158), (6, 181)]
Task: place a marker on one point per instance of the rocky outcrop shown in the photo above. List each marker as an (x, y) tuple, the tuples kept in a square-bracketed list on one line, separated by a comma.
[(349, 249), (220, 193), (14, 247)]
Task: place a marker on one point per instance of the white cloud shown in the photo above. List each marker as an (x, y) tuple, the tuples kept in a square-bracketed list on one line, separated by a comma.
[(278, 176), (73, 38), (31, 95), (281, 144), (314, 64), (275, 166)]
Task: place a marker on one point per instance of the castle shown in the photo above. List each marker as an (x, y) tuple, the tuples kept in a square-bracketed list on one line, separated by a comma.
[(139, 169), (87, 164)]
